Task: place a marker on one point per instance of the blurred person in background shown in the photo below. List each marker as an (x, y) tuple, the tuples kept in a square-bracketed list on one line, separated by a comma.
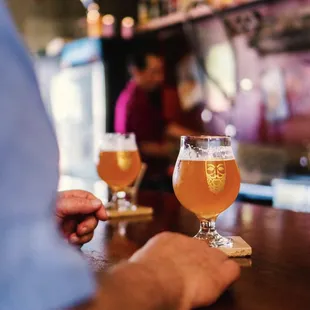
[(191, 94), (140, 109), (38, 269)]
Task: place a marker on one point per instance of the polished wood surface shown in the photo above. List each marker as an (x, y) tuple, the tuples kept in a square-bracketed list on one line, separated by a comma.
[(276, 277)]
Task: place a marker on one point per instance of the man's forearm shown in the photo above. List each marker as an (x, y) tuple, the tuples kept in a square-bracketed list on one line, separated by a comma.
[(134, 286)]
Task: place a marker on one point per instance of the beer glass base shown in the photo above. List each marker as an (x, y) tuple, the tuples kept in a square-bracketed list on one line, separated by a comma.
[(209, 234), (118, 201), (215, 240), (111, 205), (121, 205)]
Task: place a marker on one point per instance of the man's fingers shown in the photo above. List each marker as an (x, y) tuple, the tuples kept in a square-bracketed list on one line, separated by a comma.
[(77, 194), (221, 277), (217, 254), (68, 227), (88, 225), (74, 206), (101, 214), (229, 272), (215, 279), (76, 240)]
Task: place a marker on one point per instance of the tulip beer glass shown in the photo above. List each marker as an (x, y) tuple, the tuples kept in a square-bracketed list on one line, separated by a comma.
[(119, 163), (206, 181)]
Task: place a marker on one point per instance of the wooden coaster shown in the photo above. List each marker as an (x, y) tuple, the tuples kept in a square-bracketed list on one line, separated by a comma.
[(131, 219), (239, 249), (140, 211)]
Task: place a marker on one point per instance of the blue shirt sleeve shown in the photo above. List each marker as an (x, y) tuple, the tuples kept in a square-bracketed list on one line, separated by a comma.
[(38, 270)]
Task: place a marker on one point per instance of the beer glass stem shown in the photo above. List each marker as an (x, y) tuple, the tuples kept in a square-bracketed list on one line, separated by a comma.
[(113, 203), (114, 197), (208, 233), (207, 226), (118, 202)]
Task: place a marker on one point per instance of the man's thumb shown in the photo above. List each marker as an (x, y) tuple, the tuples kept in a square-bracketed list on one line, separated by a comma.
[(73, 206)]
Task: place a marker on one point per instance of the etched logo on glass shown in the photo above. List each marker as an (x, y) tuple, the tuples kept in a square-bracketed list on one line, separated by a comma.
[(216, 176), (123, 160)]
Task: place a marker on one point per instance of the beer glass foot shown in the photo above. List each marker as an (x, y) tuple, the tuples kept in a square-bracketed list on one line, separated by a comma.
[(215, 240), (209, 234), (120, 204), (113, 203), (111, 206)]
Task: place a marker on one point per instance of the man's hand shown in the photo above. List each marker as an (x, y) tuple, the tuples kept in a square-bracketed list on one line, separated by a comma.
[(170, 272), (189, 272), (78, 213)]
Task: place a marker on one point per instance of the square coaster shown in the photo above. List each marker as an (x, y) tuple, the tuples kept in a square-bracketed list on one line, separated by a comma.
[(239, 249), (140, 211)]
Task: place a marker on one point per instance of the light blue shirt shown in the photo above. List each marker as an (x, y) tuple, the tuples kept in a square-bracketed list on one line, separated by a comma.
[(38, 270)]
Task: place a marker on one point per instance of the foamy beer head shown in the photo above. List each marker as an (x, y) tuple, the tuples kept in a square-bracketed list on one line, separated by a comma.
[(119, 160), (206, 178)]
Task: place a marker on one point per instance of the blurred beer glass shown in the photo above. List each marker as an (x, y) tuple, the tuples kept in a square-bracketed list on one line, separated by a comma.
[(206, 181), (118, 165)]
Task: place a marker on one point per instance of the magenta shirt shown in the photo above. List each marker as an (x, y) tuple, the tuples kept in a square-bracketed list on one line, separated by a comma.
[(135, 113)]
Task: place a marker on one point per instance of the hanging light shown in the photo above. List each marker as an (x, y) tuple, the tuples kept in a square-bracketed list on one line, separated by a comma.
[(246, 84), (206, 115), (231, 130), (108, 26), (94, 28), (93, 16), (128, 22), (127, 28), (108, 20), (87, 3)]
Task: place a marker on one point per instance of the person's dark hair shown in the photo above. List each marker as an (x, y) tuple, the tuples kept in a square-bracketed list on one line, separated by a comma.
[(138, 58)]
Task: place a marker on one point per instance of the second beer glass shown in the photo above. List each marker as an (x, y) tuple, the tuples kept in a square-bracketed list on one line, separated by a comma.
[(119, 163)]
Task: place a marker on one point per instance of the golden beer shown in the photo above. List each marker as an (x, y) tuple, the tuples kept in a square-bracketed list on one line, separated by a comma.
[(206, 187), (119, 169)]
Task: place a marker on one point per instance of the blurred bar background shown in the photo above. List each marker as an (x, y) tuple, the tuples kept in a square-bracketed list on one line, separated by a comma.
[(257, 51)]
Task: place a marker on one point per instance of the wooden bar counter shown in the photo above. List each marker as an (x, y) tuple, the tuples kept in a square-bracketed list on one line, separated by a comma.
[(276, 277)]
